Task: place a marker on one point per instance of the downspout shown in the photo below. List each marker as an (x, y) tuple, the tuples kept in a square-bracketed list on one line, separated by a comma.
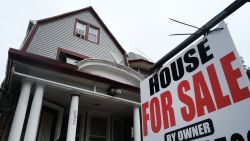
[(74, 88)]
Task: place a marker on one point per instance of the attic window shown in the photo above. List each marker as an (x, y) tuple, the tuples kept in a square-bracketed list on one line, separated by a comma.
[(93, 34), (80, 30), (69, 57), (86, 31)]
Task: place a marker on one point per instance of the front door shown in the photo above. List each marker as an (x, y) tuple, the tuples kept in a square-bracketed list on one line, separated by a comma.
[(47, 126), (98, 129)]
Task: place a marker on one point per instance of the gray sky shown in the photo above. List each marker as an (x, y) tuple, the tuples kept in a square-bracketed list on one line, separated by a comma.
[(137, 24)]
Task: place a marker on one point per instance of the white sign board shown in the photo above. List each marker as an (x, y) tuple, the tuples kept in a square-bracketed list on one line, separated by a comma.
[(202, 94)]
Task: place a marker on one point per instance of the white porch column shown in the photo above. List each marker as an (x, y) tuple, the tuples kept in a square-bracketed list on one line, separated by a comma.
[(17, 123), (137, 124), (33, 121), (71, 133)]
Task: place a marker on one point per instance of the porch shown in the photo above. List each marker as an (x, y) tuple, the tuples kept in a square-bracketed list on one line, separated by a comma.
[(70, 105), (55, 114)]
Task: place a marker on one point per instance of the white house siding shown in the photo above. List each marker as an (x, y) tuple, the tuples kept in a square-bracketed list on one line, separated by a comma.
[(59, 33)]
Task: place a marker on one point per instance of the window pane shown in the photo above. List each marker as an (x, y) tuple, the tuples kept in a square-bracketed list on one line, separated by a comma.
[(71, 60), (80, 29), (93, 34)]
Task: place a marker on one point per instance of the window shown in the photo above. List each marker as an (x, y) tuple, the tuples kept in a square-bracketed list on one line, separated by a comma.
[(71, 60), (86, 31), (80, 30), (69, 57), (93, 34), (64, 57)]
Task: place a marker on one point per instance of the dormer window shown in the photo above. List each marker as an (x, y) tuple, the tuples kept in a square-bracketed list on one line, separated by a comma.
[(69, 57), (86, 31)]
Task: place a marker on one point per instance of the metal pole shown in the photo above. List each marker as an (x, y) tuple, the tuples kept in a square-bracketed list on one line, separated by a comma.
[(203, 30)]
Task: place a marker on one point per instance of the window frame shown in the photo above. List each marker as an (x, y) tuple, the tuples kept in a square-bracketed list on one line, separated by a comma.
[(88, 25), (85, 31), (70, 54)]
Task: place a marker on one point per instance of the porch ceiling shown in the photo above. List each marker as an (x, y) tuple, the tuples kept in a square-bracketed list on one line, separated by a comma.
[(61, 94)]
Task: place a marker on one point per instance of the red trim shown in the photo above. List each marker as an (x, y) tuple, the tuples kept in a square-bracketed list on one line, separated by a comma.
[(87, 32), (30, 38), (55, 65), (90, 9), (99, 36), (54, 18), (59, 50), (125, 58)]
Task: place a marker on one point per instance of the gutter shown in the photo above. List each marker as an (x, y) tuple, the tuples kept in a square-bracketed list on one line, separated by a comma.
[(74, 89)]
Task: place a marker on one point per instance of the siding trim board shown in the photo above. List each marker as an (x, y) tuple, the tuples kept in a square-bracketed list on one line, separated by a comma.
[(30, 38), (51, 19), (55, 65)]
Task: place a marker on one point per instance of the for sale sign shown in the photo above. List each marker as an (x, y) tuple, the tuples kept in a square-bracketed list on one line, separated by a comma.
[(200, 94)]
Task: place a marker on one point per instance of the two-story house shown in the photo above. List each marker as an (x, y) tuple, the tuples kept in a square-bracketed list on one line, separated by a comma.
[(70, 80)]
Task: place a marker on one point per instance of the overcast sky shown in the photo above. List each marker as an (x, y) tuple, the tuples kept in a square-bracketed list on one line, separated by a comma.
[(142, 25)]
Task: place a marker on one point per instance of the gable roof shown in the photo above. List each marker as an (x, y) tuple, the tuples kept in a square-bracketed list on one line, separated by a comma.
[(133, 57), (58, 17)]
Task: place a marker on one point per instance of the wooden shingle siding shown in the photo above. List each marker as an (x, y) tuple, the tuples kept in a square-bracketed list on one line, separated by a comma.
[(59, 34)]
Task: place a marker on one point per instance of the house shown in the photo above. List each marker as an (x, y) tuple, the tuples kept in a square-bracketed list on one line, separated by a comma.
[(139, 63), (71, 80)]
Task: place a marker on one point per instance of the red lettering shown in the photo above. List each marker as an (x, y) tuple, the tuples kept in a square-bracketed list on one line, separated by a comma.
[(145, 118), (232, 75), (155, 115), (167, 109), (200, 87), (187, 112), (221, 101)]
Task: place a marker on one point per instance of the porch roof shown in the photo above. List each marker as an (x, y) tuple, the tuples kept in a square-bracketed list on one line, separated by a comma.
[(56, 65)]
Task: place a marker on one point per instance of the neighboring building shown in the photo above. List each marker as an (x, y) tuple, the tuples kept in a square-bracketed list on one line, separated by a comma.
[(70, 80), (139, 63)]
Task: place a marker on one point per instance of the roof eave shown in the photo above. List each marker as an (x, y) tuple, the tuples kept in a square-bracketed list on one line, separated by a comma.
[(61, 67)]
